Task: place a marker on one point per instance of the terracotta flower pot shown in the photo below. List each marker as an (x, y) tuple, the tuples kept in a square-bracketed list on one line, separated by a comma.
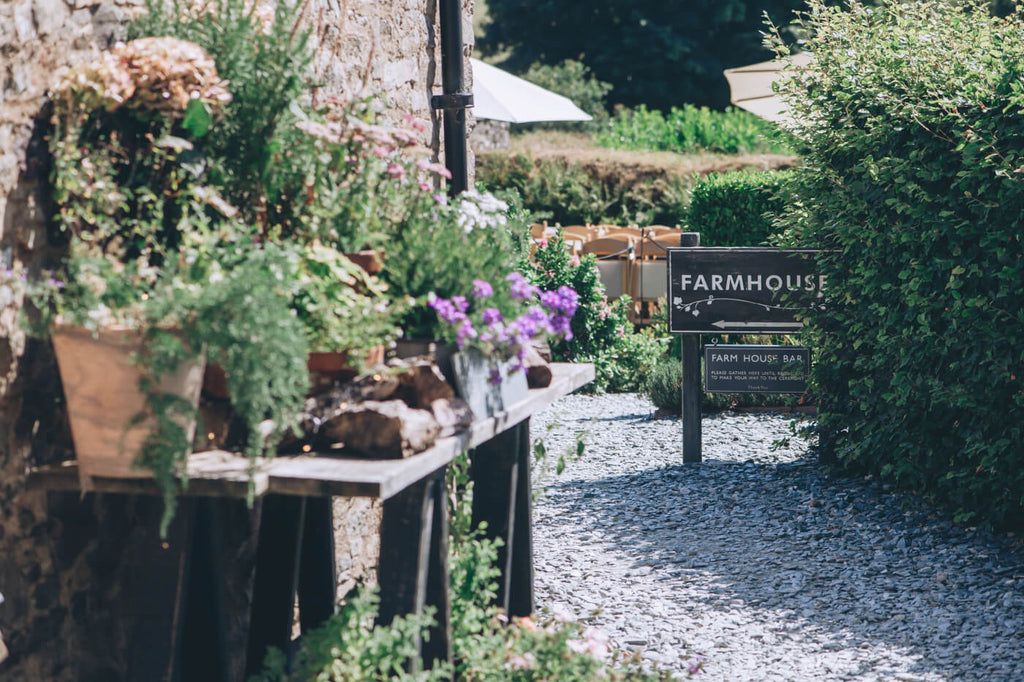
[(328, 367), (101, 386)]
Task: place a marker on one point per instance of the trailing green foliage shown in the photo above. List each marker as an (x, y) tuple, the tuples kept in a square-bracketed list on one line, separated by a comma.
[(602, 332), (653, 52), (572, 194), (913, 121), (692, 129), (736, 209)]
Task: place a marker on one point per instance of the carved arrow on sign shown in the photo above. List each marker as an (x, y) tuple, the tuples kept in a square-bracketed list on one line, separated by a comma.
[(722, 324)]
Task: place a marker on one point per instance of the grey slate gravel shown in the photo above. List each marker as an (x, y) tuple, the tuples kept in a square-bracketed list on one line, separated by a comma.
[(757, 562)]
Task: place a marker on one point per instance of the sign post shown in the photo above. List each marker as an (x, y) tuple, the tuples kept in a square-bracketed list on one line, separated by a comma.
[(742, 290), (692, 435)]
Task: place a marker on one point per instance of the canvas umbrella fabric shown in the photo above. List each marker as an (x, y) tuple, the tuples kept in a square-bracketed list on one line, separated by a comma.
[(750, 87), (500, 96)]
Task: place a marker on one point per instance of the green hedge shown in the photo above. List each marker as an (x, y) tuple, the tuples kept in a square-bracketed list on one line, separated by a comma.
[(693, 129), (576, 194), (736, 209), (914, 124)]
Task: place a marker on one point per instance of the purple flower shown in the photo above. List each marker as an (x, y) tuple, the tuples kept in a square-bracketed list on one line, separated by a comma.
[(460, 303), (446, 310), (562, 326), (492, 315), (521, 289), (482, 289), (563, 300), (495, 377), (466, 331)]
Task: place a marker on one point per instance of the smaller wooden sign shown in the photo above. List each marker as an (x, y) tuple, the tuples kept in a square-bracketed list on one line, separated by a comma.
[(756, 369)]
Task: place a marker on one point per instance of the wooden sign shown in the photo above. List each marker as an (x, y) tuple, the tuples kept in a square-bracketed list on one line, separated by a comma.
[(756, 369), (740, 290)]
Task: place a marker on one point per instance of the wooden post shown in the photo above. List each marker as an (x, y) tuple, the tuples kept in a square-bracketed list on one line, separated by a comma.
[(495, 473), (691, 381), (520, 583), (439, 643), (318, 580), (406, 530), (157, 594), (282, 519)]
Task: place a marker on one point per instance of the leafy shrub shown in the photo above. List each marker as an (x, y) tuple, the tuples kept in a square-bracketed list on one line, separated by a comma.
[(736, 209), (573, 194), (602, 332), (572, 79), (692, 129), (913, 121), (664, 385)]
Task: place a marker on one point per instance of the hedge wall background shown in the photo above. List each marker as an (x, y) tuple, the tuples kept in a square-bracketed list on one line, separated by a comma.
[(913, 121)]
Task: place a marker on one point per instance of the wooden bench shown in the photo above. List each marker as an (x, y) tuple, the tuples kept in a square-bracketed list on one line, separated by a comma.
[(182, 582)]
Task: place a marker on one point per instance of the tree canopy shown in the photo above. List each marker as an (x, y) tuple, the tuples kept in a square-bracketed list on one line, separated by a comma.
[(654, 52)]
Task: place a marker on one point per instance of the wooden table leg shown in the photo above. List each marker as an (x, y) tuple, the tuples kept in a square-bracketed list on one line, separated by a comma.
[(318, 569), (282, 519), (216, 622), (156, 595), (413, 561), (501, 497), (439, 642), (520, 580)]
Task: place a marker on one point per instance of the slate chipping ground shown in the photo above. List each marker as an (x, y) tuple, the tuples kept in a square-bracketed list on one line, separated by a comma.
[(758, 563)]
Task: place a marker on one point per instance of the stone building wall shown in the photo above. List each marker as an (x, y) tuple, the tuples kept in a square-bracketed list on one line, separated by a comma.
[(64, 560)]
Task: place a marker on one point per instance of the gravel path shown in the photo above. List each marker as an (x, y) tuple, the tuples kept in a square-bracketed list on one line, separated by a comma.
[(757, 563)]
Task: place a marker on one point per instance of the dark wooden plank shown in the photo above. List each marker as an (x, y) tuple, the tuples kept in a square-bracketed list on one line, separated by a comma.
[(405, 533), (439, 641), (495, 473), (156, 594), (275, 583), (212, 473), (204, 655), (520, 582), (692, 394), (318, 574)]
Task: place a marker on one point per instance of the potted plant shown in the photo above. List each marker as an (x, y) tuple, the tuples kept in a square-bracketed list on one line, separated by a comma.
[(453, 261), (157, 263)]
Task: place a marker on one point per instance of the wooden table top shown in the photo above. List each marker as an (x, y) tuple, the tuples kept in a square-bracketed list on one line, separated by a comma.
[(226, 474)]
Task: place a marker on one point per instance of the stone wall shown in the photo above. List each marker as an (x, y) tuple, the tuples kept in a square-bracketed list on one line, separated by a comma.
[(65, 560)]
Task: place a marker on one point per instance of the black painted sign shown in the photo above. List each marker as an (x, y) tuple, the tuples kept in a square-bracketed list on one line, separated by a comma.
[(756, 369), (740, 290)]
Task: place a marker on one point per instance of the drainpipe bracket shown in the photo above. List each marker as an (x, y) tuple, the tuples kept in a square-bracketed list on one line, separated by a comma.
[(455, 100)]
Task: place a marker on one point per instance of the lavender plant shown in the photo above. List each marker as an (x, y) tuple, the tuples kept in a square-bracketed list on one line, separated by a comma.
[(477, 322)]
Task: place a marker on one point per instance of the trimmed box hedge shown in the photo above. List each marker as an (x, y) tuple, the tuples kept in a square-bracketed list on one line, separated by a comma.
[(913, 120)]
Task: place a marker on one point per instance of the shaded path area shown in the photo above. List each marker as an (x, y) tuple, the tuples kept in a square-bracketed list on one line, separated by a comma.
[(758, 563)]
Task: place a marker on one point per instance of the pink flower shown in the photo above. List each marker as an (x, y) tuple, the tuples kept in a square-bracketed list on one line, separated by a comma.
[(380, 151), (574, 262), (524, 662), (414, 123), (396, 171), (425, 186), (434, 167)]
